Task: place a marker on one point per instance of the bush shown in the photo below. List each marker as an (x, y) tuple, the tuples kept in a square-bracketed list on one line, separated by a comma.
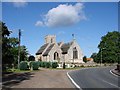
[(47, 64), (23, 65), (30, 64), (35, 65), (39, 63), (82, 65), (43, 64), (54, 64)]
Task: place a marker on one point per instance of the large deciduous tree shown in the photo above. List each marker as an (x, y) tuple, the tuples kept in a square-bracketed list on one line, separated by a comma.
[(7, 57), (10, 49), (109, 48)]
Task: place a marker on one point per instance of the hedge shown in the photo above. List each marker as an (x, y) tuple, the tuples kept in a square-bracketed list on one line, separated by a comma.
[(47, 64), (35, 65), (54, 64), (43, 64), (23, 65)]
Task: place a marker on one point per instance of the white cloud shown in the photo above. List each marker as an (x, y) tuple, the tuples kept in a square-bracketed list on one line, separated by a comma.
[(60, 33), (39, 23), (64, 15), (20, 3)]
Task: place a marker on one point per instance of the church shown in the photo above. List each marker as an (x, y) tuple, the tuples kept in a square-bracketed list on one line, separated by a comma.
[(59, 52)]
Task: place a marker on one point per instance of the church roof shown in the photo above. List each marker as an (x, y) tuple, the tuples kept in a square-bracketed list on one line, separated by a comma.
[(42, 49), (59, 43), (48, 49), (65, 47)]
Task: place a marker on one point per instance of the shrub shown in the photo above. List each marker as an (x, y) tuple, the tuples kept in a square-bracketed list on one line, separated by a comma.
[(35, 65), (82, 65), (47, 64), (30, 64), (54, 64), (39, 63), (43, 64), (23, 65)]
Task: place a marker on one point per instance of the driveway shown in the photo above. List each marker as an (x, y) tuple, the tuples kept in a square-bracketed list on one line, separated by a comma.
[(46, 78)]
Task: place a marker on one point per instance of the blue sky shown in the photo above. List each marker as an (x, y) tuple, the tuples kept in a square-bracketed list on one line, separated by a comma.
[(89, 21)]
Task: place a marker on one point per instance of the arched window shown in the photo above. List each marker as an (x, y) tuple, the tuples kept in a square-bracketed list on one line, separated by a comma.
[(75, 53), (51, 40), (56, 56)]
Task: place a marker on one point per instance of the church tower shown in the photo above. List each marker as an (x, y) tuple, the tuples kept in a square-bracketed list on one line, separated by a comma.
[(50, 39)]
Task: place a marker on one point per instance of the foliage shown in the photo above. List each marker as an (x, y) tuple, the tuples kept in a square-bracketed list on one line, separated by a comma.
[(85, 59), (23, 65), (48, 65), (109, 48), (23, 53), (30, 64), (35, 65), (31, 58), (94, 56), (10, 49), (40, 63), (43, 64), (7, 56), (54, 64)]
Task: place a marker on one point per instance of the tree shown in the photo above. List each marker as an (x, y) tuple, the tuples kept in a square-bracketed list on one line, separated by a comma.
[(10, 49), (109, 48), (95, 57), (7, 57), (85, 59), (23, 53), (31, 58)]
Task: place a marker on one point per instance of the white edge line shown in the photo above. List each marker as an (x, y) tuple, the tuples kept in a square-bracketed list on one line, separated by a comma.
[(111, 84), (73, 81), (113, 73)]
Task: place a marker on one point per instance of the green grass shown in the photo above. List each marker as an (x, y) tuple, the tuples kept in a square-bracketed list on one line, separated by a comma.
[(20, 71)]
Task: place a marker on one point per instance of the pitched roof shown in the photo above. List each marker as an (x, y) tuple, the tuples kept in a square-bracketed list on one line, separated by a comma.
[(48, 49), (59, 43), (65, 47), (42, 48)]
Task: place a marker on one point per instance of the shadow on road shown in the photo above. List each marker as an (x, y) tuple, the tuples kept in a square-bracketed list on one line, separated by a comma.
[(11, 79)]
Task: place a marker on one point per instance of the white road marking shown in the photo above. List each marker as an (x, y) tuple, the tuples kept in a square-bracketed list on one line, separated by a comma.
[(74, 82), (113, 73), (111, 84)]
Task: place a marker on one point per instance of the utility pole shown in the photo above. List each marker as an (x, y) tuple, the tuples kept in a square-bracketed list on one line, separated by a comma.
[(101, 58), (19, 36)]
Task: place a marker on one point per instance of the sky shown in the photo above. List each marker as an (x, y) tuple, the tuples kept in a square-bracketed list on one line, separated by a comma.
[(88, 21)]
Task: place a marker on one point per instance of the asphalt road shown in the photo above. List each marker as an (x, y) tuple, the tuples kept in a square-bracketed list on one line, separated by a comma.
[(99, 78)]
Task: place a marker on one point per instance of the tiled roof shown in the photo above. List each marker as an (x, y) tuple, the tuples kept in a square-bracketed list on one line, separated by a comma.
[(42, 48), (65, 47), (48, 49), (59, 43)]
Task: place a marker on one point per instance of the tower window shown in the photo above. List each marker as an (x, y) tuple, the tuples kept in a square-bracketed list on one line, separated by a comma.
[(51, 40)]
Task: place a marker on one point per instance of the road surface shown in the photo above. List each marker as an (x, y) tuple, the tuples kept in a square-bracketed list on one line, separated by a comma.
[(95, 78)]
